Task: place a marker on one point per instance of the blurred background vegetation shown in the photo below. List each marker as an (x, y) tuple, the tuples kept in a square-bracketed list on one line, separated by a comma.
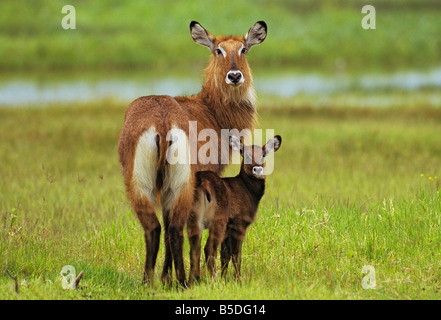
[(357, 180), (154, 36)]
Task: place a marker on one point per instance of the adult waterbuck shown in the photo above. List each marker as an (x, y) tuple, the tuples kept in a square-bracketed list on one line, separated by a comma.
[(153, 124)]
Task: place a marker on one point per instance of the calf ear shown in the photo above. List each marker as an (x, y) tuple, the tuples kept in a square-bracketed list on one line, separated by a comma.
[(201, 36), (272, 145), (236, 144), (256, 34)]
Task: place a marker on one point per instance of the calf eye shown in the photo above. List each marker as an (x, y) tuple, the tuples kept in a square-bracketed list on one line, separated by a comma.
[(208, 195)]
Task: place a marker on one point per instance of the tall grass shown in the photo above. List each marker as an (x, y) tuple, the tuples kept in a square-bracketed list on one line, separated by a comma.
[(351, 187)]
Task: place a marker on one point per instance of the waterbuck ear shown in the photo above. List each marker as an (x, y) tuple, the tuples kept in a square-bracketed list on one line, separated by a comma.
[(201, 36), (236, 144), (256, 34), (272, 145)]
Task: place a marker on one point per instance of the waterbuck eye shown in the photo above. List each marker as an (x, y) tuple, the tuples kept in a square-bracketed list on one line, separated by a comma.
[(219, 52), (244, 50)]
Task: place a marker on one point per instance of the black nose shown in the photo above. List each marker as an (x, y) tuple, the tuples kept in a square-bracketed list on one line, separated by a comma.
[(234, 77)]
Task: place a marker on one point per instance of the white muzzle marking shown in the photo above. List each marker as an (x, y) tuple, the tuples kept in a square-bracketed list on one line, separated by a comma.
[(234, 78), (258, 171)]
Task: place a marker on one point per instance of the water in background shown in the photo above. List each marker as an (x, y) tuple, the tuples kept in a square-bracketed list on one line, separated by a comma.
[(22, 91)]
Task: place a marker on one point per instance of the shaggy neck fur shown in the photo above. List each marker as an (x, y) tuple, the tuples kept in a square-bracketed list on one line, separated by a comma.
[(233, 107)]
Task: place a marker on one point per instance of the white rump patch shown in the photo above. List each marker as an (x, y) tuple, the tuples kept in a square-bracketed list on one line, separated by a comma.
[(146, 165), (177, 169)]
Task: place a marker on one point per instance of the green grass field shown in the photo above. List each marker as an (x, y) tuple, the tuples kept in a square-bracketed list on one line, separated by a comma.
[(357, 179), (154, 35), (351, 187)]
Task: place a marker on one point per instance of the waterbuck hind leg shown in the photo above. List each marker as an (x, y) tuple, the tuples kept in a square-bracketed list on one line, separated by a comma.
[(177, 195), (176, 231), (168, 261), (152, 234), (178, 219)]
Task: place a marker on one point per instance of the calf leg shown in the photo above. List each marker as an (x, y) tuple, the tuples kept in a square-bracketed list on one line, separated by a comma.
[(225, 255), (236, 256), (194, 233), (216, 235), (210, 256)]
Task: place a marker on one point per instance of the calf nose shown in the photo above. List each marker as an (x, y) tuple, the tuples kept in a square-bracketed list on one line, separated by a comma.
[(258, 171), (234, 77)]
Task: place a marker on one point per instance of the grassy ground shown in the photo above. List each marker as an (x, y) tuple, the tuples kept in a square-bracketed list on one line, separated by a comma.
[(154, 35), (351, 187)]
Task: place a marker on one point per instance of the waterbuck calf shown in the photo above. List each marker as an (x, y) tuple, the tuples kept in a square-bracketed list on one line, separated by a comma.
[(227, 206), (152, 124)]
